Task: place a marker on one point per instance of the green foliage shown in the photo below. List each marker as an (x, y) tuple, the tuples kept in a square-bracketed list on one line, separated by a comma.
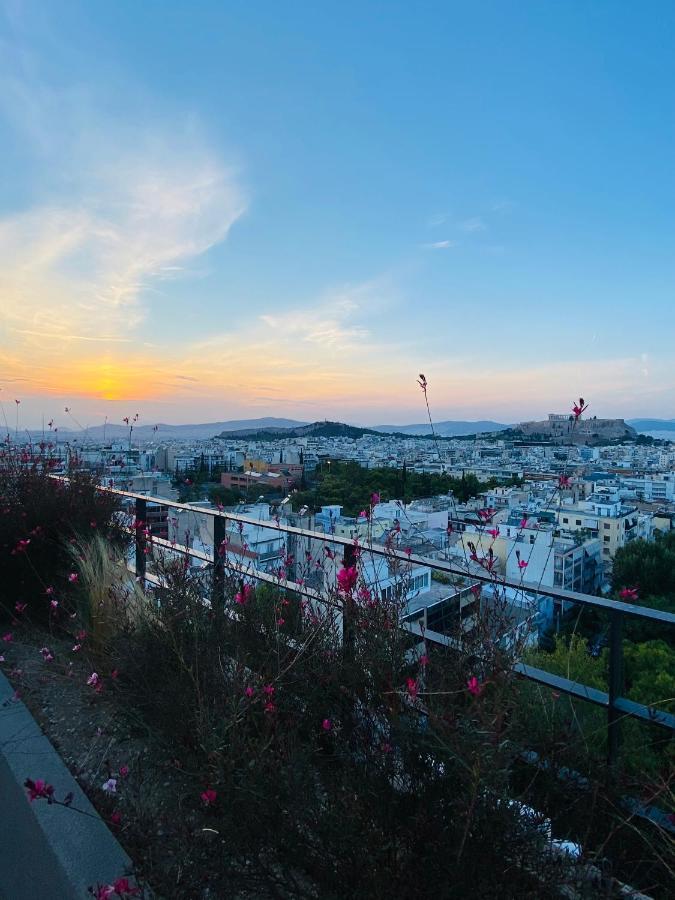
[(648, 565), (351, 486), (578, 728)]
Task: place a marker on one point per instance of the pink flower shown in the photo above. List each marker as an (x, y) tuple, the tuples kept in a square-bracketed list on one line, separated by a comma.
[(93, 679), (629, 594), (20, 607), (76, 647), (102, 891), (374, 499), (270, 707), (110, 786), (244, 595), (124, 771), (250, 692), (208, 797), (49, 590), (269, 690), (73, 578), (46, 654), (486, 515), (81, 635), (116, 817), (364, 514), (8, 638), (423, 661), (577, 409), (564, 481), (327, 725), (522, 564), (493, 532), (346, 579), (523, 522), (281, 622), (38, 790), (54, 604), (474, 686), (412, 687)]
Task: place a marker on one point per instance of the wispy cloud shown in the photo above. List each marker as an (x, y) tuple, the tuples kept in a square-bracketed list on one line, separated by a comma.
[(128, 204), (441, 245), (475, 223)]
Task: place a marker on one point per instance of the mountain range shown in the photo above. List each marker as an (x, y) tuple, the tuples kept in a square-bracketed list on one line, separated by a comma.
[(445, 429), (652, 424), (275, 426)]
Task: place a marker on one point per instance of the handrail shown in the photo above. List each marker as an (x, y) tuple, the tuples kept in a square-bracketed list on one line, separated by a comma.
[(617, 706)]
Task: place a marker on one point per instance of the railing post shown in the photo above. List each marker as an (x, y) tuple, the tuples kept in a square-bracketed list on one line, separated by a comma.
[(140, 524), (349, 559), (615, 687), (218, 583)]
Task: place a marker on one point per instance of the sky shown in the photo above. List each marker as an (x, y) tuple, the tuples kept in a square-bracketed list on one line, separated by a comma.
[(215, 210)]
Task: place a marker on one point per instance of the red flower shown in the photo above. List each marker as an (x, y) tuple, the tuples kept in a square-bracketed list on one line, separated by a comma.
[(564, 481), (630, 594), (412, 687), (578, 408), (244, 595), (327, 725), (346, 579), (474, 686), (73, 578), (208, 797), (39, 790)]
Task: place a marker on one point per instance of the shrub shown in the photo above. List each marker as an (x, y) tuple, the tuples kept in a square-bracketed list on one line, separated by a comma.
[(40, 516)]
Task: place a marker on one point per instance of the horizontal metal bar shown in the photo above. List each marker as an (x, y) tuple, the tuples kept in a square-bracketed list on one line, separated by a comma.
[(631, 609), (593, 695)]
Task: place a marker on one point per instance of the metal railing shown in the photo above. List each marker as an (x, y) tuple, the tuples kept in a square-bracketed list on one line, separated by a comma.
[(612, 700)]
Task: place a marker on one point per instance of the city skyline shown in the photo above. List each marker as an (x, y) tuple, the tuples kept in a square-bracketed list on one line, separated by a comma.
[(214, 214)]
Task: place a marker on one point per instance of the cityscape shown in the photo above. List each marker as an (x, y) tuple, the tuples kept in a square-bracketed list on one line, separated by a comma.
[(255, 642)]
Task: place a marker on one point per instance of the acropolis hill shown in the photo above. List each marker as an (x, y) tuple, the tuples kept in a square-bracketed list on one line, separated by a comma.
[(562, 429)]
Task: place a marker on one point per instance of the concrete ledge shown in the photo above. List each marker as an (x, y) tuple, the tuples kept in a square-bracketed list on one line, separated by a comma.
[(50, 852)]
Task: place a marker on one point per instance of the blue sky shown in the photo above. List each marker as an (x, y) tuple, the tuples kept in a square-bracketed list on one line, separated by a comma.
[(214, 210)]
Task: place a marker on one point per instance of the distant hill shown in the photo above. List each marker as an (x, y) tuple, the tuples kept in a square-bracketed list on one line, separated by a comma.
[(171, 432), (652, 424), (316, 429), (445, 429)]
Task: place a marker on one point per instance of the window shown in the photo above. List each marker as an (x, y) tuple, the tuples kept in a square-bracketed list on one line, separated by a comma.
[(565, 521), (578, 521), (606, 539), (606, 525)]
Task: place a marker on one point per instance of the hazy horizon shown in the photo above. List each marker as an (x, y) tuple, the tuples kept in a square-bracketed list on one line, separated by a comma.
[(225, 212)]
